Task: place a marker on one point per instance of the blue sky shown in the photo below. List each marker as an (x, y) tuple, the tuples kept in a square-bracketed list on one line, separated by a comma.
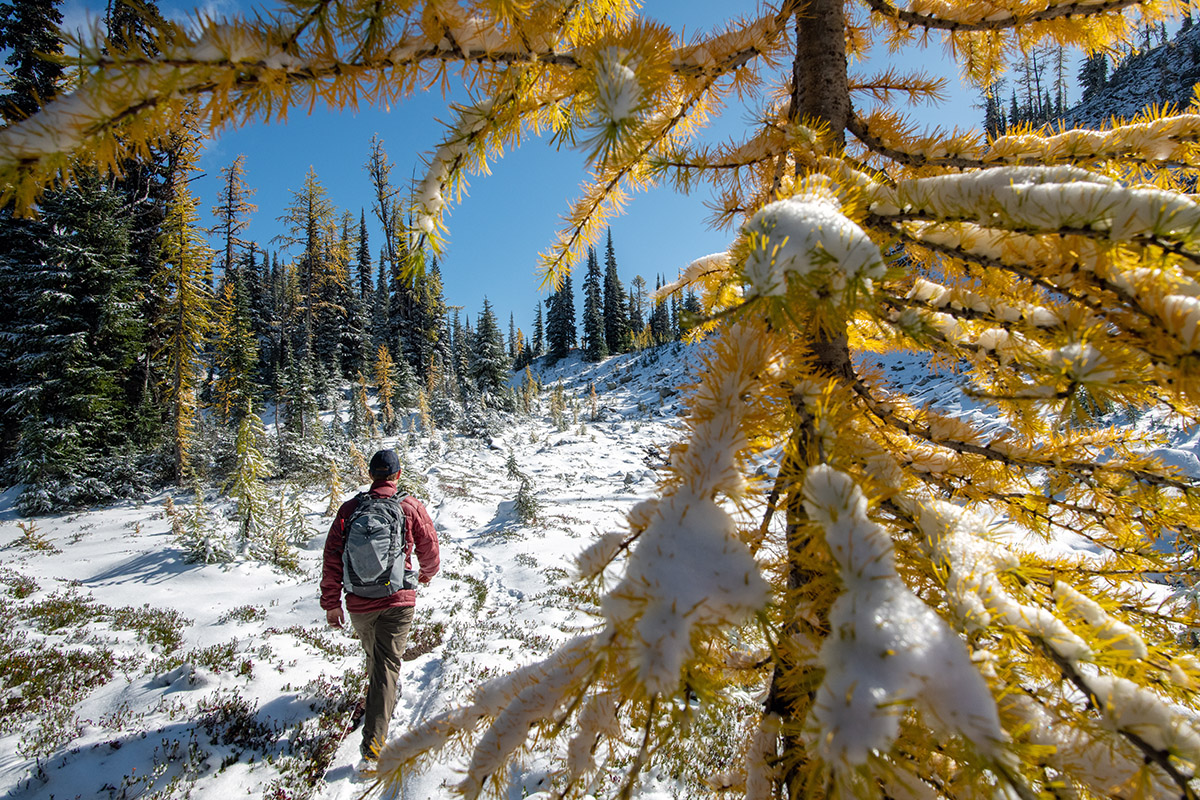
[(509, 217)]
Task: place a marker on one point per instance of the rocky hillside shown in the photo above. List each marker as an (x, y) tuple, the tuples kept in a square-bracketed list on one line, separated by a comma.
[(1166, 74)]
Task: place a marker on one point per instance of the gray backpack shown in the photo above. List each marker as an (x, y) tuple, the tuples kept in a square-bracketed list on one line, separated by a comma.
[(377, 545)]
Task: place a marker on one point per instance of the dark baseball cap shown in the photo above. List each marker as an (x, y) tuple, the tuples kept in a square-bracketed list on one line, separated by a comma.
[(384, 463)]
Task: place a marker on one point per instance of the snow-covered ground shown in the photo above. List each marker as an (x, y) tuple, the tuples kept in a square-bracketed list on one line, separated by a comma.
[(171, 679), (174, 679)]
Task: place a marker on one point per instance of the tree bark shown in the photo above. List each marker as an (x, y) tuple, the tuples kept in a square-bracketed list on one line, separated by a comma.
[(820, 94)]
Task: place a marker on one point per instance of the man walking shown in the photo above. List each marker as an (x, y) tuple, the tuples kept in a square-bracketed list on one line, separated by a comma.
[(380, 611)]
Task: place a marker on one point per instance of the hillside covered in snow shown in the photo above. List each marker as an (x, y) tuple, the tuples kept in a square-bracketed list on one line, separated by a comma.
[(129, 672)]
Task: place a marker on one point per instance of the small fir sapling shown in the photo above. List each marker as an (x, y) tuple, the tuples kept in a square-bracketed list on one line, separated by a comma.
[(199, 536), (527, 506), (246, 483)]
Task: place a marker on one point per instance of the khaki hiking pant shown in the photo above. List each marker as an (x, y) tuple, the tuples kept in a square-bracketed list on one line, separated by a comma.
[(384, 635)]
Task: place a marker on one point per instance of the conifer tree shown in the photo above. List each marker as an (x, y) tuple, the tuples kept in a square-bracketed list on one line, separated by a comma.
[(78, 342), (539, 333), (595, 343), (560, 321), (235, 352), (28, 32), (884, 585), (616, 311), (660, 317), (362, 425), (29, 35), (461, 347), (358, 345), (1093, 75), (184, 318), (489, 364), (379, 310), (320, 271), (424, 333), (366, 283), (512, 337), (246, 483)]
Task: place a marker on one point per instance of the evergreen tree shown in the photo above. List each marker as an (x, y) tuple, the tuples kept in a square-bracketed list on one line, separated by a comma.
[(690, 312), (616, 312), (512, 337), (1093, 75), (300, 412), (539, 333), (406, 385), (236, 353), (424, 331), (380, 308), (595, 345), (29, 33), (308, 222), (660, 317), (489, 365), (78, 341), (147, 180), (362, 425), (246, 483), (462, 346), (560, 321), (358, 346)]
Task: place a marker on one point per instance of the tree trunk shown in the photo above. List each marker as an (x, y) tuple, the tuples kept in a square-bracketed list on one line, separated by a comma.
[(820, 94)]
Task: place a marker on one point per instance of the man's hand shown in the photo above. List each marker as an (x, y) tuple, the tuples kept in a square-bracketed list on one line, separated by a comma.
[(423, 578), (335, 617)]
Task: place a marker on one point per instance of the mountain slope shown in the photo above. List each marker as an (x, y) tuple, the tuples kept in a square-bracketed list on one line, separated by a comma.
[(147, 674)]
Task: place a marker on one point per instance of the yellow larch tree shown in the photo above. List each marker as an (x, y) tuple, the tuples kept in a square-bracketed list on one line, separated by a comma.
[(890, 585), (183, 294)]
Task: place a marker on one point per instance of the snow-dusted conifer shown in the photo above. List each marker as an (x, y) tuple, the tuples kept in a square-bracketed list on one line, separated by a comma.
[(236, 352), (362, 424), (595, 343), (616, 311), (560, 321), (489, 362), (199, 536), (246, 483)]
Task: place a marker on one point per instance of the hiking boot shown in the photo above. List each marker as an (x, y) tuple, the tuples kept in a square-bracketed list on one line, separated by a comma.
[(357, 713)]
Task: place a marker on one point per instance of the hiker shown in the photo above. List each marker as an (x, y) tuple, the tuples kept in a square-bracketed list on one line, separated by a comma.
[(382, 604)]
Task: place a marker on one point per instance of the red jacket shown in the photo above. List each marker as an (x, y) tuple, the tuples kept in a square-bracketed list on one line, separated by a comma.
[(420, 531)]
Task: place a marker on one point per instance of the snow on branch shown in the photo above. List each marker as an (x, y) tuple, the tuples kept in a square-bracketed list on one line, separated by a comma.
[(1154, 140), (689, 567), (513, 702), (887, 650), (807, 234), (1049, 199), (992, 16)]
